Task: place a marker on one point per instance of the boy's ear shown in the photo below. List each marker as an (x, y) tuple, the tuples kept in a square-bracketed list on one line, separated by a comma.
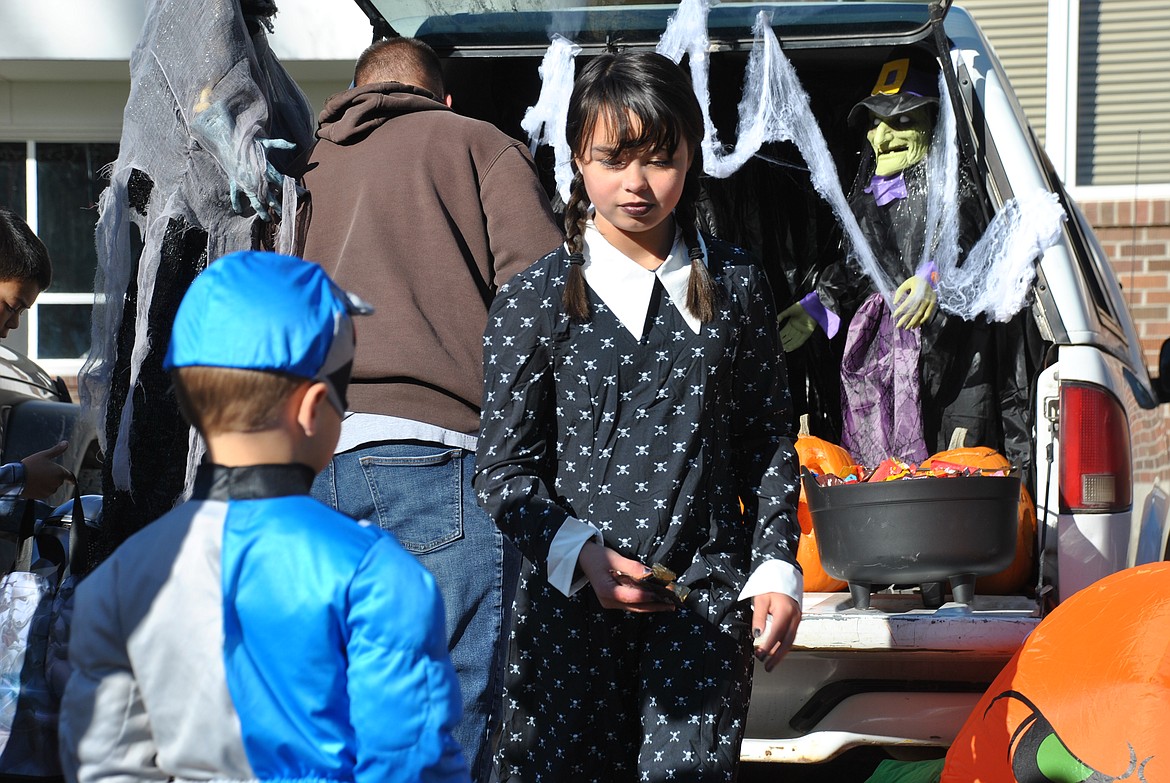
[(309, 407)]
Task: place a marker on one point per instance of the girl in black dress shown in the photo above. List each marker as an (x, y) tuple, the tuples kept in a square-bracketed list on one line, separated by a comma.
[(635, 415)]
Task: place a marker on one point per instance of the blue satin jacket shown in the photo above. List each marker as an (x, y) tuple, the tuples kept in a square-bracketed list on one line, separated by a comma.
[(255, 634)]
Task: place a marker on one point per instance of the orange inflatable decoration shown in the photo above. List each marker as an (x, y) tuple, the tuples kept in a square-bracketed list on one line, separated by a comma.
[(1086, 697), (819, 456), (1016, 576)]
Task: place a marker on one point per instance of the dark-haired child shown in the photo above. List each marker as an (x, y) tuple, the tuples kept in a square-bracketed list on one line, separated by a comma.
[(252, 633), (25, 271), (635, 396)]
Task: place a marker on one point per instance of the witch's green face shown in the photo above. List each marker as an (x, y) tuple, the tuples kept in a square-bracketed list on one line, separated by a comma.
[(899, 141)]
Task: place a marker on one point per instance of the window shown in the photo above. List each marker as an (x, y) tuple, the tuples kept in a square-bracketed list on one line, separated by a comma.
[(55, 186), (1122, 134), (12, 166), (1088, 74)]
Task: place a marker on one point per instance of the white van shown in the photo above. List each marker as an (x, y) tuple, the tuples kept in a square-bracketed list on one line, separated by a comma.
[(1091, 444)]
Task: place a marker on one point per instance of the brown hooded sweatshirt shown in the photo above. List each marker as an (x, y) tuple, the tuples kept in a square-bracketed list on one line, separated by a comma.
[(424, 214)]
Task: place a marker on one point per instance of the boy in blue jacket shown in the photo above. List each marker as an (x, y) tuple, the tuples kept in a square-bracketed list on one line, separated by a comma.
[(253, 633)]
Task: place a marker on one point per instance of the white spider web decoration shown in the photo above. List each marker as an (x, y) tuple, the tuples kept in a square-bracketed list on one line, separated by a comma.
[(994, 278)]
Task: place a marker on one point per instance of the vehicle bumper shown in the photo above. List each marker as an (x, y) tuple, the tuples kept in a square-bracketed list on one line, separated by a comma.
[(895, 675)]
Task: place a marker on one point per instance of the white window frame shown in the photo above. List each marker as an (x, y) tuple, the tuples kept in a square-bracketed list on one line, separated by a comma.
[(1061, 106)]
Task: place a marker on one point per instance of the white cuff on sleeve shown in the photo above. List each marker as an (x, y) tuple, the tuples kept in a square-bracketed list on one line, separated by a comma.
[(775, 576), (564, 550)]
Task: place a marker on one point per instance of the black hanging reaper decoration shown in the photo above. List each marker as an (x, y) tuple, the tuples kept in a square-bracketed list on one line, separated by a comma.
[(211, 119)]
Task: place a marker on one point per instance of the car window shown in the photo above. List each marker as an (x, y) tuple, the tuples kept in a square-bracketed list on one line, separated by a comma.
[(1092, 264), (1094, 267)]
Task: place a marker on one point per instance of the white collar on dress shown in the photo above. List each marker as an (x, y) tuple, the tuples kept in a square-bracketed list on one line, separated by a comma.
[(626, 287)]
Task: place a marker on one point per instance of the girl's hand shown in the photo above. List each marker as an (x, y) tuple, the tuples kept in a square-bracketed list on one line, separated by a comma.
[(597, 562), (773, 641)]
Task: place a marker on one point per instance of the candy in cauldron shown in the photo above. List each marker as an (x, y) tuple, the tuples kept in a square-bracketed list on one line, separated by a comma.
[(925, 531)]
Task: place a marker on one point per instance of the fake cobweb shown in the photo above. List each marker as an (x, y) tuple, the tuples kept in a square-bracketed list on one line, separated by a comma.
[(995, 276), (205, 97), (545, 122)]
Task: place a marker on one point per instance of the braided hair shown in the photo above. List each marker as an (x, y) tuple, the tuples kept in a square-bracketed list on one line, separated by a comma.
[(648, 101)]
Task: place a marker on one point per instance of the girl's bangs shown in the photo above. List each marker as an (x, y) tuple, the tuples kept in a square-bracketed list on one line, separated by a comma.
[(636, 123)]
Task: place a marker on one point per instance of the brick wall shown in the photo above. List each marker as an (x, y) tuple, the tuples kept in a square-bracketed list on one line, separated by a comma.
[(1136, 237)]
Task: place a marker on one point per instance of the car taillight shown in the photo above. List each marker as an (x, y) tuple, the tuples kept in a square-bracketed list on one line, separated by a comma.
[(1095, 464)]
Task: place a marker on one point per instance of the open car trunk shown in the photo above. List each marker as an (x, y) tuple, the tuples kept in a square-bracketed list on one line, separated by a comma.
[(768, 206), (848, 668)]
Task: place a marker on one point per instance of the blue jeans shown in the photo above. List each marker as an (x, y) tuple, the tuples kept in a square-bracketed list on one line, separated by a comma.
[(422, 493)]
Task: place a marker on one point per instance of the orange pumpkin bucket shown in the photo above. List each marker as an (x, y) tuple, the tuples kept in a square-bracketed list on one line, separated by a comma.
[(1017, 576)]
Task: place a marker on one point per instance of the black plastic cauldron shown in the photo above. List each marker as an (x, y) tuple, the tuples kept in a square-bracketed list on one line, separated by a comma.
[(920, 531)]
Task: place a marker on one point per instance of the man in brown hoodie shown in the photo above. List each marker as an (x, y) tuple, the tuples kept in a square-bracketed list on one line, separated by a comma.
[(425, 214)]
